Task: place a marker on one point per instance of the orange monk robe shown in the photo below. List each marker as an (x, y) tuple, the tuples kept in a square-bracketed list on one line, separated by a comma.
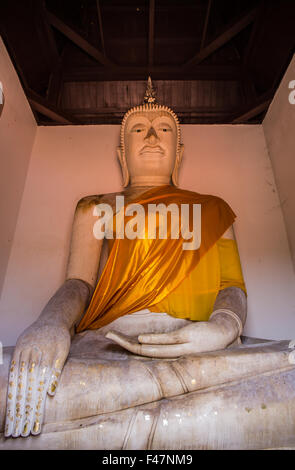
[(157, 273)]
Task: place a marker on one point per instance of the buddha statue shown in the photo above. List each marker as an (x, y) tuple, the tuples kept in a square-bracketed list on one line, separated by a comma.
[(144, 336)]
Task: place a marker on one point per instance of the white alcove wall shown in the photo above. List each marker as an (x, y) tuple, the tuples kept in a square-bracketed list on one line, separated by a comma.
[(17, 133), (279, 126)]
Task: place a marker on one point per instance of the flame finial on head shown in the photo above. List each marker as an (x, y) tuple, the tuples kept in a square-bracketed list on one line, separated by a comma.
[(150, 94)]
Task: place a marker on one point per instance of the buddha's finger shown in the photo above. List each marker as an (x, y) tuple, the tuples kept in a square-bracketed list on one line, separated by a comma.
[(11, 395), (41, 388), (173, 337), (31, 392), (157, 350), (55, 373), (20, 392), (163, 350)]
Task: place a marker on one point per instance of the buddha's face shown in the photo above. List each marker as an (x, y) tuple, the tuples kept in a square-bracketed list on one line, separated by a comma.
[(150, 145)]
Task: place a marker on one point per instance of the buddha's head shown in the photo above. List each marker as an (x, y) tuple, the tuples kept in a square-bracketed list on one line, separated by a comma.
[(150, 151)]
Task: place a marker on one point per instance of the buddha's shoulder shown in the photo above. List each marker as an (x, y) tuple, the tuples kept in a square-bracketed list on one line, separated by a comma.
[(87, 202), (204, 197)]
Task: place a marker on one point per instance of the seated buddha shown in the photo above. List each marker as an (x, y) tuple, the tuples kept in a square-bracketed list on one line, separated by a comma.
[(137, 301)]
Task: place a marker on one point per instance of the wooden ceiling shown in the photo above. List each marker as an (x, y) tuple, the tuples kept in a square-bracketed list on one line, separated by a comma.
[(87, 61)]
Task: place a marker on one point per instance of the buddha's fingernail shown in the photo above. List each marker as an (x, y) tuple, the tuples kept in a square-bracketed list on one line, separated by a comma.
[(53, 387), (36, 426), (57, 363), (25, 430)]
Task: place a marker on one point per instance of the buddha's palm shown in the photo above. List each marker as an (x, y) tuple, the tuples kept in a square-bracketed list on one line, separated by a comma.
[(37, 362), (194, 338)]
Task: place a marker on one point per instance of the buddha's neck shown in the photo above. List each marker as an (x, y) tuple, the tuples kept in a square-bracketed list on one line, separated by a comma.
[(147, 181)]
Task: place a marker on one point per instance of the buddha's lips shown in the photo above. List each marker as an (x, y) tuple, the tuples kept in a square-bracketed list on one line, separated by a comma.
[(151, 149)]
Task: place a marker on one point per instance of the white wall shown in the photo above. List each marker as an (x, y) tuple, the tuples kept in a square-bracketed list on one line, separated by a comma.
[(17, 132), (73, 161), (279, 127)]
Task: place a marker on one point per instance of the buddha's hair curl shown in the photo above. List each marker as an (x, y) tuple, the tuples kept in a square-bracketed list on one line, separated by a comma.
[(148, 107)]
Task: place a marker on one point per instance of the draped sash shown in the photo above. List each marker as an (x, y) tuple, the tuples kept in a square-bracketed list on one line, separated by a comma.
[(140, 273)]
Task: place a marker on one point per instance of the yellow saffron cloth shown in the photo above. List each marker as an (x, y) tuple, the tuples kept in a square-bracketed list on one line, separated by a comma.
[(141, 273), (195, 296)]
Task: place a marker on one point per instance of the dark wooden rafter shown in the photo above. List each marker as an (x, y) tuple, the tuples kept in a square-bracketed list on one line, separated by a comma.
[(54, 84), (230, 31), (151, 32), (41, 105), (254, 109), (46, 61), (77, 39), (100, 27), (204, 33), (257, 24), (202, 72), (54, 89), (45, 32)]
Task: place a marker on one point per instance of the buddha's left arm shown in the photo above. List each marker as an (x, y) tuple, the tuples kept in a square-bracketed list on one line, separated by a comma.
[(230, 308)]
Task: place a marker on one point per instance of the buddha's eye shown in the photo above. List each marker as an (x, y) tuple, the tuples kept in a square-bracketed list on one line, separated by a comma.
[(137, 130), (165, 129)]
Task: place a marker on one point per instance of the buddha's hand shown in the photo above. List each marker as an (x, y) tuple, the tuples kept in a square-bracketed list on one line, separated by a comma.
[(36, 365), (194, 338)]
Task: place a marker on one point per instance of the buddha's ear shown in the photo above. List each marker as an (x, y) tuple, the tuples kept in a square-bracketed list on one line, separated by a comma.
[(124, 168), (178, 160)]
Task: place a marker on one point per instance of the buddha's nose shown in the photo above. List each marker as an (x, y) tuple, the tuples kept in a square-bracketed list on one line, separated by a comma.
[(151, 135)]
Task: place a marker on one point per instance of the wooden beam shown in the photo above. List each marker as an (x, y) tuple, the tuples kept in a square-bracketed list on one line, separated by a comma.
[(77, 39), (45, 32), (206, 24), (258, 23), (255, 108), (202, 72), (55, 86), (41, 105), (229, 32), (106, 111), (100, 26), (151, 31)]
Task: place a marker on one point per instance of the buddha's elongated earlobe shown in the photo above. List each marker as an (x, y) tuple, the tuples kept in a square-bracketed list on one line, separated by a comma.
[(124, 168), (178, 160)]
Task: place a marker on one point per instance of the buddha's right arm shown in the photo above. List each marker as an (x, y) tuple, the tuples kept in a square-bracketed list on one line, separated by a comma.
[(42, 349)]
